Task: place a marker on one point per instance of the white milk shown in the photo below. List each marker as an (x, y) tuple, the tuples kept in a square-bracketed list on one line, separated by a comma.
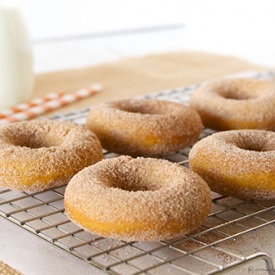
[(16, 70)]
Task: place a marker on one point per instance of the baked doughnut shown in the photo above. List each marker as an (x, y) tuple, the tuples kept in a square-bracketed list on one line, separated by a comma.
[(137, 199), (232, 104), (144, 127), (39, 154), (237, 163)]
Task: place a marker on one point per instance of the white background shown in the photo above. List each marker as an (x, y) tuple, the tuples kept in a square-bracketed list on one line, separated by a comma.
[(76, 33)]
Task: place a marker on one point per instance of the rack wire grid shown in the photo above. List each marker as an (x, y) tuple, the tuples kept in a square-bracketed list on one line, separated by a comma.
[(237, 235)]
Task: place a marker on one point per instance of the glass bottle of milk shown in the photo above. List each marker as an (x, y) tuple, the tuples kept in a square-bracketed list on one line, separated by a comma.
[(16, 68)]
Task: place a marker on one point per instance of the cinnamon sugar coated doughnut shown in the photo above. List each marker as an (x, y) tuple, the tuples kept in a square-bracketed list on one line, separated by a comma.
[(141, 127), (137, 199), (237, 163), (232, 104), (37, 155)]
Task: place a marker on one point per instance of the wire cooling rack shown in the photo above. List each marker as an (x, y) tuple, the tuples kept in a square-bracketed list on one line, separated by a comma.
[(237, 235)]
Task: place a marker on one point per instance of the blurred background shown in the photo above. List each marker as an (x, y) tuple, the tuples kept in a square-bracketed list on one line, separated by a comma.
[(85, 32)]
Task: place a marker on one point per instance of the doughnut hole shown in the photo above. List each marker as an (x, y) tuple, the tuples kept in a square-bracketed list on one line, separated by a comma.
[(140, 108), (242, 89), (134, 179), (235, 93), (256, 147), (254, 143), (33, 140), (136, 184), (136, 109)]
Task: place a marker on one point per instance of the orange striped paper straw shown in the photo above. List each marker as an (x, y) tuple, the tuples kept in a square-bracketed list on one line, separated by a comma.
[(48, 106), (29, 104)]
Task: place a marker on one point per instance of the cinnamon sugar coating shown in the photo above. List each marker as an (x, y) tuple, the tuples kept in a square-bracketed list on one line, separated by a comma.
[(141, 127), (37, 155), (138, 199), (230, 104), (237, 163)]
